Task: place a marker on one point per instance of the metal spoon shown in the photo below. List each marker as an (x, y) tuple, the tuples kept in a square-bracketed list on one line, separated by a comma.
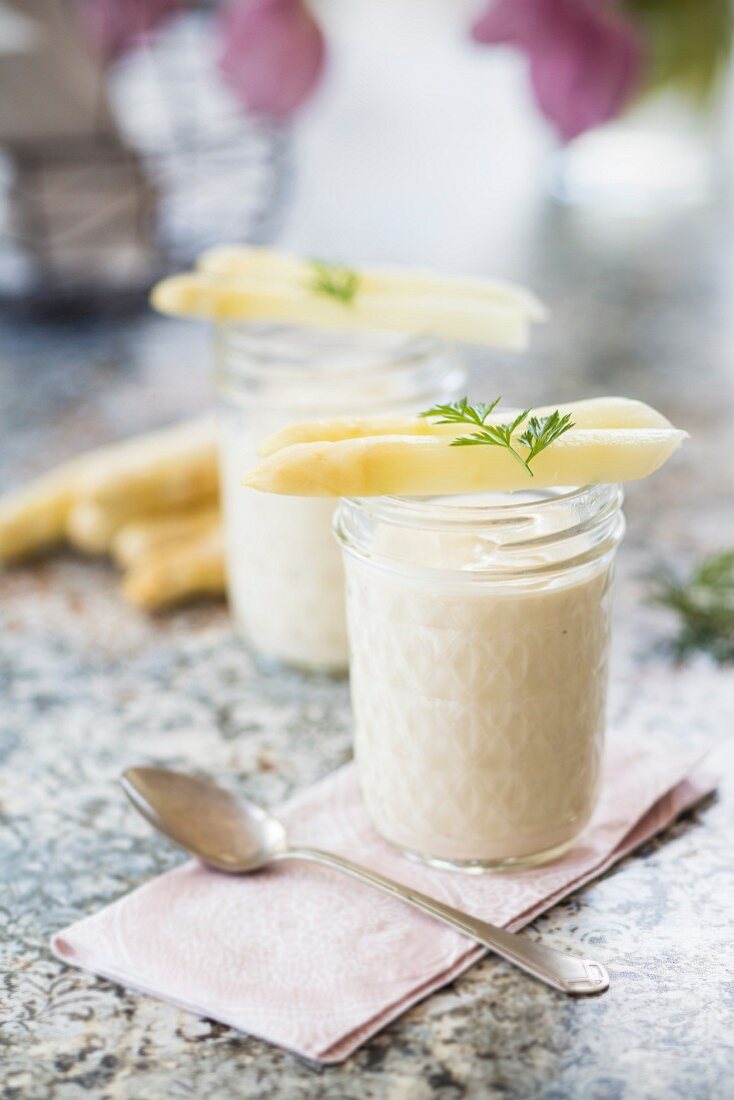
[(232, 835)]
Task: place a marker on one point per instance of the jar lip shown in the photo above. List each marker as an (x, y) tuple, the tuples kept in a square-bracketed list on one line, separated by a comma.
[(466, 511), (586, 525), (383, 352)]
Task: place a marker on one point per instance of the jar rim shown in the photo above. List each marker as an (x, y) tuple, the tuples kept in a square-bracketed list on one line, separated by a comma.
[(385, 352), (315, 373), (429, 511), (589, 524)]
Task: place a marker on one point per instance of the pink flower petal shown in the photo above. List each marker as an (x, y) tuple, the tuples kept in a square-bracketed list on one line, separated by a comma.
[(585, 78), (115, 26), (515, 22), (585, 60), (273, 56)]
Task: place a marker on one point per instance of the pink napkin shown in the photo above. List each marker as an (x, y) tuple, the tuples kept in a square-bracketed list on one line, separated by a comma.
[(313, 961)]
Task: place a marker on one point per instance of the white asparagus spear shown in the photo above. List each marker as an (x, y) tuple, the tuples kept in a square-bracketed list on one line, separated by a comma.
[(272, 265), (90, 527), (173, 573), (160, 470), (420, 465), (34, 518), (93, 528), (139, 538), (154, 470), (202, 295), (597, 412)]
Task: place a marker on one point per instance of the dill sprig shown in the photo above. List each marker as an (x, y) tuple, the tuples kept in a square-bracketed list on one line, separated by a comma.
[(539, 432), (461, 412), (704, 602), (336, 282), (496, 435)]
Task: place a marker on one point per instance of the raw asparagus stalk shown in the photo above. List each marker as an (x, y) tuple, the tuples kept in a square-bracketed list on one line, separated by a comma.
[(211, 297), (173, 573), (157, 471), (598, 412), (140, 538), (90, 527), (422, 465), (93, 527), (173, 466), (34, 518), (271, 265)]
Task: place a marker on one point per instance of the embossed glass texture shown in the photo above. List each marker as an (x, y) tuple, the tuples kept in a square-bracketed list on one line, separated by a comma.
[(479, 637), (285, 577)]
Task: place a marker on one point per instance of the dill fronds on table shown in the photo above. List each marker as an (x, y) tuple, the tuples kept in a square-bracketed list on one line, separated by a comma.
[(704, 603)]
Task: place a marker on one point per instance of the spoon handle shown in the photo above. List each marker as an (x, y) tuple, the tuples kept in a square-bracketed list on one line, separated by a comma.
[(569, 973)]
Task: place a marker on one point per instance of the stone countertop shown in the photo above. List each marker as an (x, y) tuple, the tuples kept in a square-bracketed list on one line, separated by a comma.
[(87, 686)]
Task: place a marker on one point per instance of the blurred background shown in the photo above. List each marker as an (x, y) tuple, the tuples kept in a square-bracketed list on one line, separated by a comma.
[(136, 132), (581, 148)]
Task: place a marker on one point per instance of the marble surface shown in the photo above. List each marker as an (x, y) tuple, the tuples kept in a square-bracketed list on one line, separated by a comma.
[(88, 686)]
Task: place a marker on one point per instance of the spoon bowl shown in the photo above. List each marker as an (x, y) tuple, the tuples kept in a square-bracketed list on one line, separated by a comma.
[(204, 819)]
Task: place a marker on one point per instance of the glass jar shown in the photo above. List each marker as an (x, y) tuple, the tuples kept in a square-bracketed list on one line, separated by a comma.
[(479, 636), (285, 576)]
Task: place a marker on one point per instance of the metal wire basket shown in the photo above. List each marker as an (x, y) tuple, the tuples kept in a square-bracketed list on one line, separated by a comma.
[(96, 222)]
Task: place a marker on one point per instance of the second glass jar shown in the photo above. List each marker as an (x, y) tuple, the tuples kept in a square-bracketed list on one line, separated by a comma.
[(285, 576)]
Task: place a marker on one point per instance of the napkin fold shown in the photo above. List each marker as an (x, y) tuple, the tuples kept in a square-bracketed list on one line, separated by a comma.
[(306, 958)]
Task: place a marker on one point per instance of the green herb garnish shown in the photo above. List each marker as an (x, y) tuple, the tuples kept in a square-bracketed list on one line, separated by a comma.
[(704, 603), (539, 432), (461, 412), (336, 282)]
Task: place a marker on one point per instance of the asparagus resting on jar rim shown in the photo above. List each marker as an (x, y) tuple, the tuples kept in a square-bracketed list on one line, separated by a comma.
[(468, 448)]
